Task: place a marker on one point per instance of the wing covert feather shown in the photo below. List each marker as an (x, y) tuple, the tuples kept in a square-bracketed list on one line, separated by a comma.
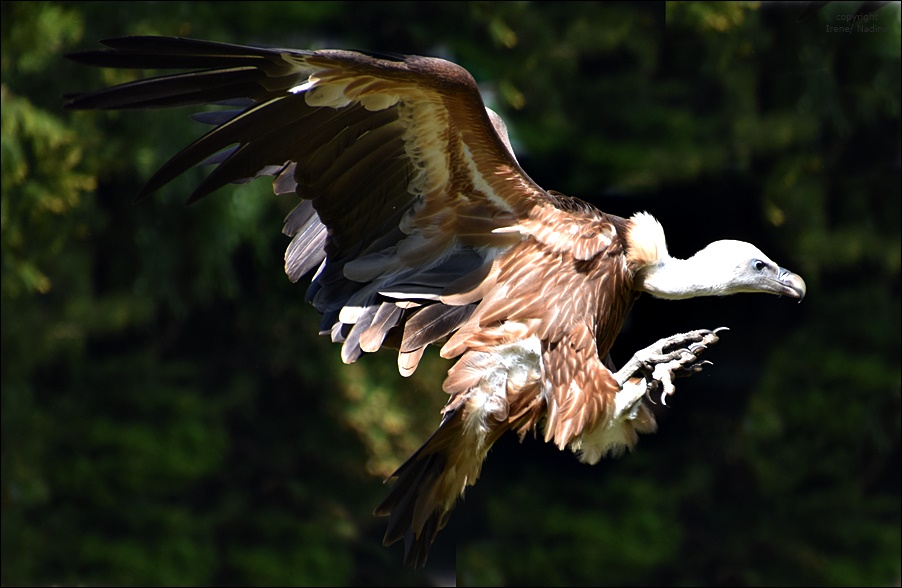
[(400, 158)]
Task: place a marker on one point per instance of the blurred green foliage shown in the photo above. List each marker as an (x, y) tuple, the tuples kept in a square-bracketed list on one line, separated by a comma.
[(169, 415)]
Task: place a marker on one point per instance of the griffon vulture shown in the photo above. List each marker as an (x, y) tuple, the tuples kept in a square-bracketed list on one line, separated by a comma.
[(422, 228)]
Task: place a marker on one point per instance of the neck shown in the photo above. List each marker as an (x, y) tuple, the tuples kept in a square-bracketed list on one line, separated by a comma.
[(716, 270), (675, 279)]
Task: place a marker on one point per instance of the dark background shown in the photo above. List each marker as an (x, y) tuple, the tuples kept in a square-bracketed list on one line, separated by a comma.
[(169, 415)]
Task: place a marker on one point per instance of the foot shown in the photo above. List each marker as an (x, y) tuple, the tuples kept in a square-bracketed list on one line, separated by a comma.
[(656, 366)]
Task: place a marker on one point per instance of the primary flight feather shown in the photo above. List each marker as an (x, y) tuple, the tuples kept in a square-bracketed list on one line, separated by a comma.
[(422, 229)]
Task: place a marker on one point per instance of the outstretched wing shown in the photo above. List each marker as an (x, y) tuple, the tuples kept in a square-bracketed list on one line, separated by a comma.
[(422, 227), (407, 182)]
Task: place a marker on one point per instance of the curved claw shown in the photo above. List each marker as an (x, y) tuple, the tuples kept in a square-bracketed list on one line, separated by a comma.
[(695, 368), (670, 358)]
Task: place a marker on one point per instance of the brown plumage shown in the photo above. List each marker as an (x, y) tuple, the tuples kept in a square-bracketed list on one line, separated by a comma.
[(423, 229)]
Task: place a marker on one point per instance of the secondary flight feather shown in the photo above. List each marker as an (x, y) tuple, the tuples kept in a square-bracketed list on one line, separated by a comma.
[(420, 228)]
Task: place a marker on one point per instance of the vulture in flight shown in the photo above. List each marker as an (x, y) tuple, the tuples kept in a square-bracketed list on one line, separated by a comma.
[(419, 227)]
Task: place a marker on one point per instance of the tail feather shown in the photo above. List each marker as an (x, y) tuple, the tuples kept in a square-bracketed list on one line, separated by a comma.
[(426, 489), (503, 392)]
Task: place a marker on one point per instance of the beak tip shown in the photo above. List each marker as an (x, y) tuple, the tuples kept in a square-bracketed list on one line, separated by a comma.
[(795, 284)]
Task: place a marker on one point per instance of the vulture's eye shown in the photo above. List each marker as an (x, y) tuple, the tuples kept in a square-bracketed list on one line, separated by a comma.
[(759, 265)]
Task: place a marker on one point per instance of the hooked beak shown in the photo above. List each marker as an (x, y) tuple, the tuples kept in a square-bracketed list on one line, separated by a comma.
[(792, 284)]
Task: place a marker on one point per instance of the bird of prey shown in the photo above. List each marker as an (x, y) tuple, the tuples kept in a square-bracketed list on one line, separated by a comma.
[(419, 227)]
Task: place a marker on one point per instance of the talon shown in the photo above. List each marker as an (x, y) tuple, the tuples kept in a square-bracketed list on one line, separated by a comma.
[(674, 357)]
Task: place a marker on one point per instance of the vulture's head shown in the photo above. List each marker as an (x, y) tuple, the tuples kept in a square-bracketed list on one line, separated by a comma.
[(720, 269), (742, 267)]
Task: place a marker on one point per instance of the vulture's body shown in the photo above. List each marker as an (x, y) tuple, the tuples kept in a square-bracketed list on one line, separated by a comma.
[(423, 229)]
